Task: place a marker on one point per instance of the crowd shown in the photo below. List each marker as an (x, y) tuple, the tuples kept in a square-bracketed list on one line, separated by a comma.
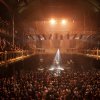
[(36, 85), (4, 26), (6, 45)]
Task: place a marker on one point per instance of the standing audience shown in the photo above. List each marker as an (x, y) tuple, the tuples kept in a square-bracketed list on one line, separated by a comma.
[(45, 86)]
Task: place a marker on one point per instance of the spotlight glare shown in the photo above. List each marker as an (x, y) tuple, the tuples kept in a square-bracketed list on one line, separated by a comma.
[(41, 69), (52, 21), (60, 68), (52, 68), (63, 22)]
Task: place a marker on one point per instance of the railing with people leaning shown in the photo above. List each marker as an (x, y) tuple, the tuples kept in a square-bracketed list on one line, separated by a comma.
[(9, 56)]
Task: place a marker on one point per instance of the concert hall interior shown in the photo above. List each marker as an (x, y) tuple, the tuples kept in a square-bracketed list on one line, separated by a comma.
[(49, 49)]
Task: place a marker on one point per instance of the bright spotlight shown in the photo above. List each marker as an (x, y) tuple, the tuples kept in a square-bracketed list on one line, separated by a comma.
[(52, 68), (60, 68), (41, 69), (63, 22), (56, 68), (52, 21), (57, 57)]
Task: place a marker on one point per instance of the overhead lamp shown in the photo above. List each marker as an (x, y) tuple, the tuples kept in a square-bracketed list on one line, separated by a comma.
[(52, 21), (63, 22)]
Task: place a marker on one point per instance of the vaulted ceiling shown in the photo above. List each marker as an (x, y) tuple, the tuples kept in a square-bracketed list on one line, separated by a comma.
[(42, 9), (30, 11)]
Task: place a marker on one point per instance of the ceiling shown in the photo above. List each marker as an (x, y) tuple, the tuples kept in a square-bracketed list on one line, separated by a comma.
[(37, 11), (42, 9)]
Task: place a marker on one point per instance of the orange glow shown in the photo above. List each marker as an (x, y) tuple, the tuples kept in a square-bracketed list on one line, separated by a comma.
[(52, 21)]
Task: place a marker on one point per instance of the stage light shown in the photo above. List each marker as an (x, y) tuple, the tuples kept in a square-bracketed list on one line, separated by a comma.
[(40, 69), (60, 68), (52, 21), (57, 67), (63, 22), (52, 68)]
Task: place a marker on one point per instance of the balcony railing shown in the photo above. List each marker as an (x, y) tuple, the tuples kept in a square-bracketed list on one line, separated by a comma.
[(12, 56)]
